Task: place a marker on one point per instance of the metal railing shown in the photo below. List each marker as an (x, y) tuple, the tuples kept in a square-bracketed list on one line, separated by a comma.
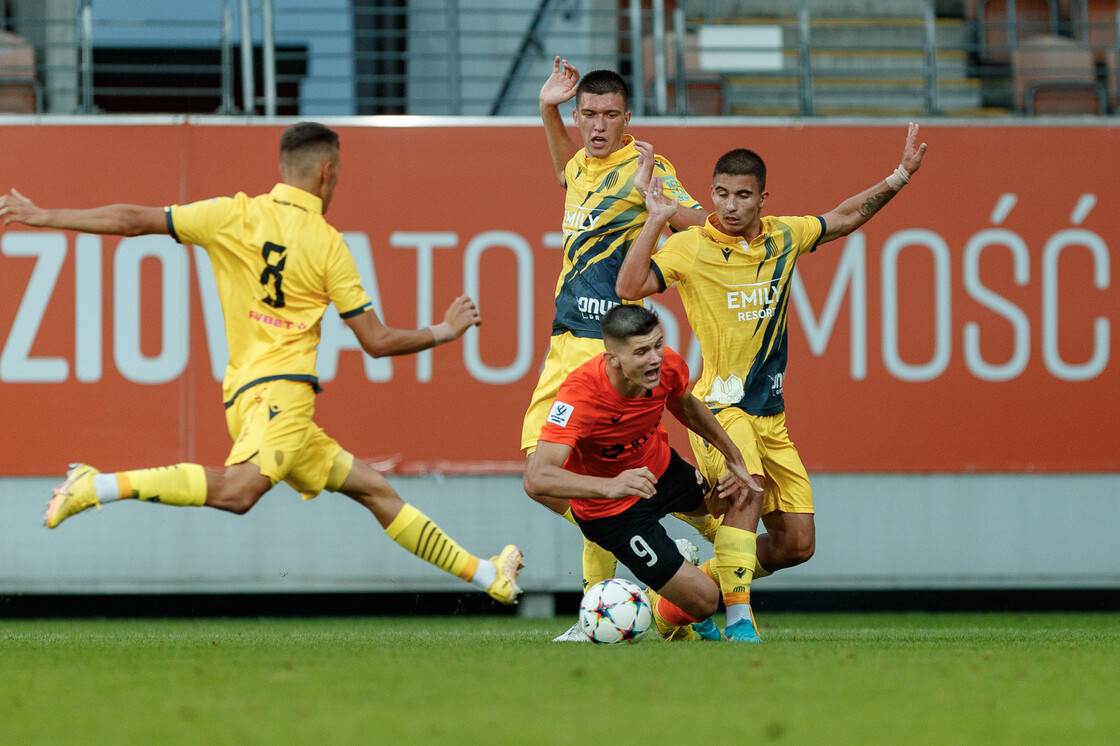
[(489, 57)]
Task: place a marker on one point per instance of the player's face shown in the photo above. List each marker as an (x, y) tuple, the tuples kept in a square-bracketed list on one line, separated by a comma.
[(638, 359), (602, 119), (739, 203)]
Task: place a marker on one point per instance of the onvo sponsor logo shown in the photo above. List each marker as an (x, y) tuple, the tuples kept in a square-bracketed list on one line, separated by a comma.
[(595, 308)]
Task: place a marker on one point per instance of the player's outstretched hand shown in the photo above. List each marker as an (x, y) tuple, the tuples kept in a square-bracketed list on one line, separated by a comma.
[(462, 314), (640, 482), (561, 85), (911, 153), (15, 208), (660, 207)]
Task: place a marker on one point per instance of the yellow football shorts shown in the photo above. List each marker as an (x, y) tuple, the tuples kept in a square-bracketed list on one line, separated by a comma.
[(566, 352), (271, 427), (767, 449)]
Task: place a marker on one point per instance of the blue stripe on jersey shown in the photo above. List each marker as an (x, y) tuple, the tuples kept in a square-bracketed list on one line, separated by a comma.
[(170, 224), (660, 277), (824, 227), (763, 389), (357, 311), (588, 289), (313, 380)]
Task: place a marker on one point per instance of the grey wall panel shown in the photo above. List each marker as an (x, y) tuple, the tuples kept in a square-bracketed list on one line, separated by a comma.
[(874, 532)]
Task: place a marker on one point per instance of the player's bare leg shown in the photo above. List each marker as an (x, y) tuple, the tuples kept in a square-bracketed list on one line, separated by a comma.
[(420, 535), (790, 540), (237, 489)]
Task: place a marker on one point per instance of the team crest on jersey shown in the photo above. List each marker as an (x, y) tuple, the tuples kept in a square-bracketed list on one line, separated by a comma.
[(674, 187), (560, 413), (729, 391)]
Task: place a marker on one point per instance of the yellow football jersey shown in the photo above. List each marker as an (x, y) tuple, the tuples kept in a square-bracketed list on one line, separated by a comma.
[(736, 296), (278, 264), (603, 214)]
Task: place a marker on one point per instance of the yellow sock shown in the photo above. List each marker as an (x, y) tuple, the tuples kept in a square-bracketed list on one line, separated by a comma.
[(181, 484), (760, 571), (569, 517), (598, 563), (418, 534), (734, 564)]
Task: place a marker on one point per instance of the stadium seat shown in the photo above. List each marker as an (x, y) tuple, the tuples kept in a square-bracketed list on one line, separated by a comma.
[(19, 90), (1094, 22), (1056, 75), (1004, 24)]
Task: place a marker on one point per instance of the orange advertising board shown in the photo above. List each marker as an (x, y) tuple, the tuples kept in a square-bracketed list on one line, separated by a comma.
[(968, 327)]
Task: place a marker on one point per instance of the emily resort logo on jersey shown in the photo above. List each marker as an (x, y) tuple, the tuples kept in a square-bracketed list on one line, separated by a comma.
[(729, 391), (755, 303), (578, 218), (560, 413)]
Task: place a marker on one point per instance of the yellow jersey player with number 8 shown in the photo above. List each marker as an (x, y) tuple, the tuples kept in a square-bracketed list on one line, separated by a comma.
[(278, 265)]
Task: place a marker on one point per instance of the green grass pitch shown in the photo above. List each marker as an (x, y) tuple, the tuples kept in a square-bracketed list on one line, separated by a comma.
[(818, 679)]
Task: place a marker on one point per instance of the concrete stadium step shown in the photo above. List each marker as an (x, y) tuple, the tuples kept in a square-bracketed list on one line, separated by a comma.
[(880, 8), (984, 112), (950, 64), (876, 94), (870, 32)]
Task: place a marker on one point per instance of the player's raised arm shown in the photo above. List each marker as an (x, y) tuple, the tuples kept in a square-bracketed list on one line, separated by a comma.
[(857, 210), (379, 340), (636, 278), (560, 87), (119, 220), (545, 475)]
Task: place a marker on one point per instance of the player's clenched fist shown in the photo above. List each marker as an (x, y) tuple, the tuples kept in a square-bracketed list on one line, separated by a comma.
[(640, 482), (462, 314)]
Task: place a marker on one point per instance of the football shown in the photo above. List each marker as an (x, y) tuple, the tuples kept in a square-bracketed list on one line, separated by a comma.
[(614, 611)]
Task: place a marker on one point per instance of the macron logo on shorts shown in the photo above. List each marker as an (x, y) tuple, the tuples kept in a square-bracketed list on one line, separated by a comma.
[(560, 413)]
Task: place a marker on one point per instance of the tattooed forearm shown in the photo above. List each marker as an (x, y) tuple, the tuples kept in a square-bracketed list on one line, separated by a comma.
[(875, 202)]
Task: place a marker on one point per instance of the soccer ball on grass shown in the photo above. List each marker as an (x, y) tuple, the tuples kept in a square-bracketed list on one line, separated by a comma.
[(615, 610)]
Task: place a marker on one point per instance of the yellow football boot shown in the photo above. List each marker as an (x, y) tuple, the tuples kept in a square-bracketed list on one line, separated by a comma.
[(73, 496), (505, 587)]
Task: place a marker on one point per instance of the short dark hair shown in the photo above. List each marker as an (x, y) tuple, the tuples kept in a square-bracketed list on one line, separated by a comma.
[(625, 321), (604, 81), (742, 162), (307, 134)]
